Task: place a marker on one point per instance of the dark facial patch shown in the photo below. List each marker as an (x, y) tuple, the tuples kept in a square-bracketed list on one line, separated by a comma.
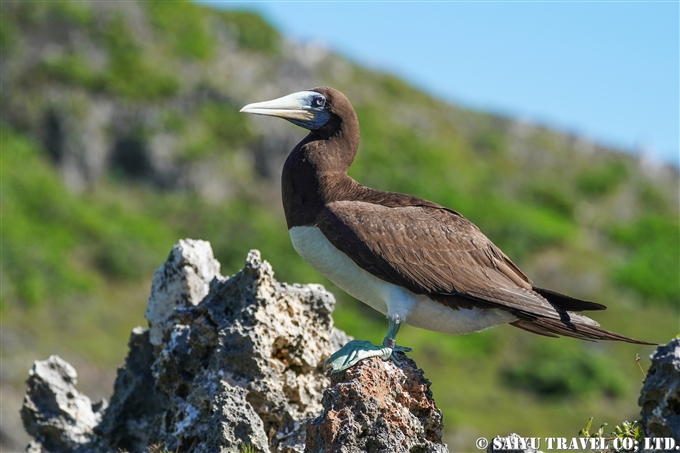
[(318, 101)]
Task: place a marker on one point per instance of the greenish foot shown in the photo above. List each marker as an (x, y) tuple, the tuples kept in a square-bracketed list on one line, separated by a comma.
[(358, 350)]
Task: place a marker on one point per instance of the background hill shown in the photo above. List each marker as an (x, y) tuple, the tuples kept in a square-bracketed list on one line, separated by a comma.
[(120, 134)]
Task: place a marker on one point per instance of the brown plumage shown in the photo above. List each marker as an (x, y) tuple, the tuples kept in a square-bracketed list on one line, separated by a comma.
[(414, 243)]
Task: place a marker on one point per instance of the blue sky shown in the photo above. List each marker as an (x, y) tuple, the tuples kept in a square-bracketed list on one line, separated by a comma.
[(608, 71)]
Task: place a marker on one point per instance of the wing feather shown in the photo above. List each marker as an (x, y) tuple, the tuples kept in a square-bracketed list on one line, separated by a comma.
[(430, 250)]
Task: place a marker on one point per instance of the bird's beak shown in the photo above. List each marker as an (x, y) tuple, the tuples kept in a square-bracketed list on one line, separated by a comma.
[(292, 107)]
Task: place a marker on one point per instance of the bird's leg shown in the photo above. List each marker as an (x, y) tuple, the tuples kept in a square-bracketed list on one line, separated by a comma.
[(390, 339), (357, 350)]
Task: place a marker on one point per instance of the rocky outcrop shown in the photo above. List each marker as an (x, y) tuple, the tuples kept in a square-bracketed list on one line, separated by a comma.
[(181, 282), (660, 395), (378, 406), (58, 416), (233, 362)]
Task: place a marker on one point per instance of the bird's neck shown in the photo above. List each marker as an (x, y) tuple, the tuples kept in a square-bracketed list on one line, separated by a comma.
[(315, 173)]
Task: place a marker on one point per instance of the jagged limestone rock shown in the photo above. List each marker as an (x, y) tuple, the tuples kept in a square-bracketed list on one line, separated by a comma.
[(242, 367), (378, 406), (182, 281), (58, 416), (660, 395), (135, 418), (245, 365)]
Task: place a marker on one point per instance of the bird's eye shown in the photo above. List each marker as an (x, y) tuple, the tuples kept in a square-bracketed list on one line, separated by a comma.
[(318, 101)]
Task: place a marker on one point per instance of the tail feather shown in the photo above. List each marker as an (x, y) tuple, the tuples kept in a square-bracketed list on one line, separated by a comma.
[(554, 327), (568, 303), (534, 328)]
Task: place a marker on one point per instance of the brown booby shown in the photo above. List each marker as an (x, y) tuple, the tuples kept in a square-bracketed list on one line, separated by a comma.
[(413, 260)]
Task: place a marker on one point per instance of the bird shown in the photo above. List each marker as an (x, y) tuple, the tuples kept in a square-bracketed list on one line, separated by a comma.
[(413, 260)]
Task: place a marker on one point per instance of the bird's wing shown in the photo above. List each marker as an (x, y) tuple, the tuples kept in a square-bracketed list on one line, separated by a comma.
[(430, 250)]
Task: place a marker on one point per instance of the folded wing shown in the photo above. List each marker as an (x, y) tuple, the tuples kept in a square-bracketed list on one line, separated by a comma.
[(431, 250)]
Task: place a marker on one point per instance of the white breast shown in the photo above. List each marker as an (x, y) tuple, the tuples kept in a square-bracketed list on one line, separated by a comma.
[(394, 301)]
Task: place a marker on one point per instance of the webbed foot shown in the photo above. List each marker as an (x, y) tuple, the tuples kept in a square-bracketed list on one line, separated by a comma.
[(357, 350)]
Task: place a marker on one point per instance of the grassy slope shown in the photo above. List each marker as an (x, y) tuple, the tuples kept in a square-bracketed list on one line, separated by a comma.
[(76, 267)]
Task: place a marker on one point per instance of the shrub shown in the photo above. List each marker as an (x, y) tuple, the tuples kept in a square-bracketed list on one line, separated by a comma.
[(565, 370)]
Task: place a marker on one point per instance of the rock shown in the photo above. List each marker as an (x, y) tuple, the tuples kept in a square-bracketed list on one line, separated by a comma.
[(246, 365), (233, 362), (182, 281), (135, 417), (378, 406), (58, 416), (660, 394)]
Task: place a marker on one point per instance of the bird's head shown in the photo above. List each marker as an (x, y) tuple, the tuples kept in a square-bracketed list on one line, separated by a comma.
[(328, 114), (309, 109)]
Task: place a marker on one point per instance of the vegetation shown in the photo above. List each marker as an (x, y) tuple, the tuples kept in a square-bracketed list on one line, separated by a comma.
[(627, 430), (253, 33), (649, 268), (183, 25), (77, 264), (121, 244), (248, 448), (127, 57), (542, 372)]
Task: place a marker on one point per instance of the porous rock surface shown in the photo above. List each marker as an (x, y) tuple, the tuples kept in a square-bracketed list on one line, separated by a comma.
[(660, 394), (378, 406), (230, 363), (181, 282), (58, 416), (227, 362)]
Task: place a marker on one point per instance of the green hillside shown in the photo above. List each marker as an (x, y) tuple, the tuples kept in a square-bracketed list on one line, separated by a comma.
[(120, 134)]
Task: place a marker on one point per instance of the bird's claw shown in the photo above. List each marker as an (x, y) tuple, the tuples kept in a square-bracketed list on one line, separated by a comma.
[(398, 349), (401, 349)]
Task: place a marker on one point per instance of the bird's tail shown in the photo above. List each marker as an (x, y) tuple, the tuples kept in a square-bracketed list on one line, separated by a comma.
[(575, 326)]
